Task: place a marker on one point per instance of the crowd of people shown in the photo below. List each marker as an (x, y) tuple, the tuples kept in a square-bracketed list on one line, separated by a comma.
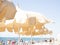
[(22, 42)]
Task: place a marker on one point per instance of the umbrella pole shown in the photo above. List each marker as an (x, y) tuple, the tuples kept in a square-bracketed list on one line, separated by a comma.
[(31, 37), (18, 37)]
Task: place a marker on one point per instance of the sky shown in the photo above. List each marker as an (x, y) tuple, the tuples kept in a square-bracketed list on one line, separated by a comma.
[(49, 8)]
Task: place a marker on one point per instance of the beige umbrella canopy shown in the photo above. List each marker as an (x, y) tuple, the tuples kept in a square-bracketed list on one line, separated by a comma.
[(36, 32), (39, 25), (25, 27), (7, 10), (16, 26), (2, 26), (28, 25), (9, 27), (32, 20), (28, 28), (13, 26)]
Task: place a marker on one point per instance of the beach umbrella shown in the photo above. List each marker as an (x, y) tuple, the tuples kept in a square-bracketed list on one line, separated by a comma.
[(2, 26), (16, 26), (34, 21), (9, 27), (7, 10), (25, 26), (13, 26), (34, 24), (36, 32)]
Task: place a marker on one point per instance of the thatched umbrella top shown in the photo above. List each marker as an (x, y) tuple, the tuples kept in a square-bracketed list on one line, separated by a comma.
[(7, 10), (35, 32), (2, 27)]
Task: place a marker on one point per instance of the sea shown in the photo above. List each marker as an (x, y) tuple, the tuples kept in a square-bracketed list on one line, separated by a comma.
[(23, 38), (5, 39)]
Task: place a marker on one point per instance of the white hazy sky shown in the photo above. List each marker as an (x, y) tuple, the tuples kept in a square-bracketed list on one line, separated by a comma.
[(49, 8)]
